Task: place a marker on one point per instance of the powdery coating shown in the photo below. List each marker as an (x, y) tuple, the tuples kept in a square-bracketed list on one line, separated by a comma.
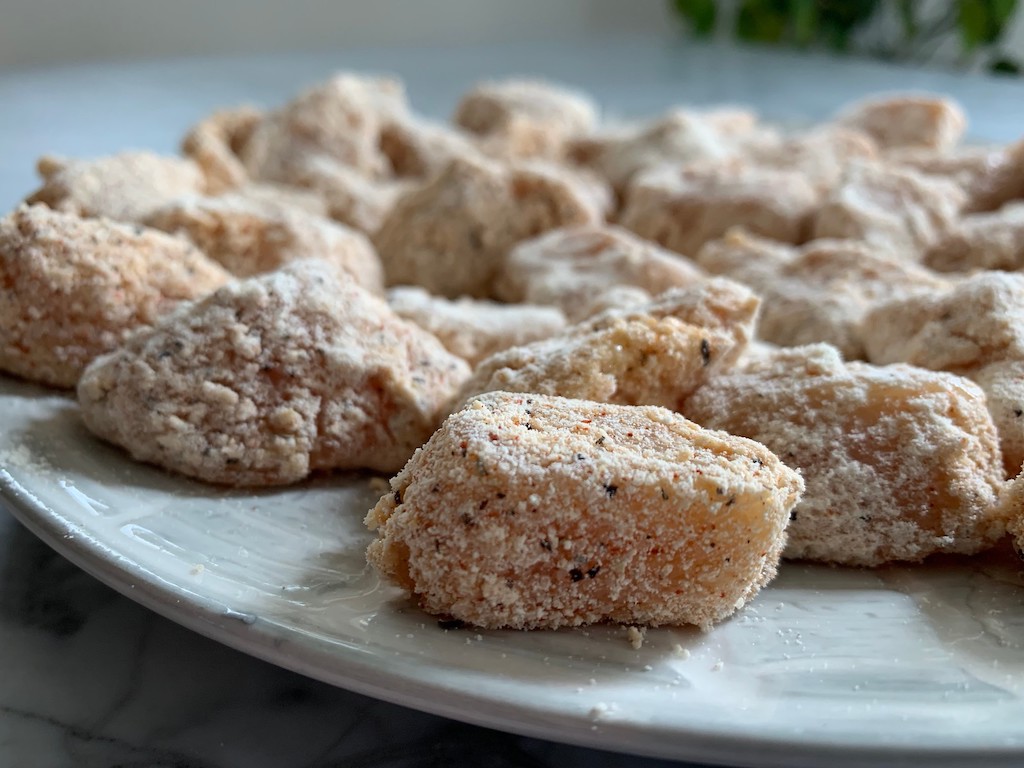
[(419, 148), (655, 354), (472, 329), (525, 118), (1012, 507), (75, 288), (339, 119), (271, 378), (278, 195), (249, 237), (678, 137), (821, 155), (451, 234), (908, 121), (822, 292), (977, 322), (1003, 384), (215, 143), (350, 197), (525, 511), (989, 176), (683, 208), (570, 267), (982, 241), (892, 207), (124, 187), (899, 463), (617, 297), (744, 256)]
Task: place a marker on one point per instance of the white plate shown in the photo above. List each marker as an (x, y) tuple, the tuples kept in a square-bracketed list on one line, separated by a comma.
[(827, 664)]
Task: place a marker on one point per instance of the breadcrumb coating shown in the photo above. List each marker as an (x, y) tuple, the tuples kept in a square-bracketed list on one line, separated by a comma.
[(931, 122), (420, 148), (215, 144), (1003, 384), (989, 176), (678, 137), (982, 241), (977, 322), (524, 118), (339, 119), (891, 207), (569, 267), (451, 234), (683, 208), (655, 354), (271, 378), (474, 330), (125, 187), (530, 512), (819, 292), (899, 462), (821, 154), (350, 197), (75, 288), (249, 236)]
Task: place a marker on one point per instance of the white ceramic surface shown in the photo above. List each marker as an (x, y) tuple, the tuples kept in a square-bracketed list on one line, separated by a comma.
[(827, 664)]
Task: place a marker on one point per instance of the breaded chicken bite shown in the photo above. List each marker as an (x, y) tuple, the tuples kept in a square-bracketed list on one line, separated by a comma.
[(683, 208), (451, 234), (679, 137), (75, 288), (823, 290), (339, 119), (531, 512), (977, 322), (821, 154), (524, 118), (349, 197), (654, 354), (271, 378), (419, 148), (899, 462), (982, 241), (569, 267), (124, 187), (1012, 507), (215, 143), (931, 122), (473, 329), (989, 176), (744, 256), (894, 208), (1003, 384), (249, 237)]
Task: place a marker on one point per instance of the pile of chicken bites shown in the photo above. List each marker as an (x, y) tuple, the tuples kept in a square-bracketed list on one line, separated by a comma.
[(619, 370)]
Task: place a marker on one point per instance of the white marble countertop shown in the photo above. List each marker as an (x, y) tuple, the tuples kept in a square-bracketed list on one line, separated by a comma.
[(91, 679)]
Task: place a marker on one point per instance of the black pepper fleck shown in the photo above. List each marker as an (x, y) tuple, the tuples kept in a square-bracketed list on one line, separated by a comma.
[(705, 352), (611, 490), (576, 574)]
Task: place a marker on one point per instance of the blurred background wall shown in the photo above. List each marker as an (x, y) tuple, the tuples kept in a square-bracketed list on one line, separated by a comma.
[(40, 32)]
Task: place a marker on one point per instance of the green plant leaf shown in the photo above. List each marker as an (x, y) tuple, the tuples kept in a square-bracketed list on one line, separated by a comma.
[(805, 21), (1000, 14), (1005, 66), (973, 20), (762, 21), (700, 14), (908, 18)]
